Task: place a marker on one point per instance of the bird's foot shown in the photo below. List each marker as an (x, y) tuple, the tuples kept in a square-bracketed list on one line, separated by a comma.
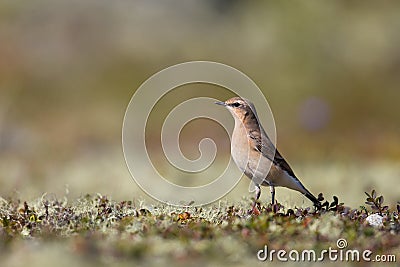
[(275, 208), (255, 209)]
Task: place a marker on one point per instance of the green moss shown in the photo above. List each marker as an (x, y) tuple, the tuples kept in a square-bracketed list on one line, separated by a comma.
[(97, 225)]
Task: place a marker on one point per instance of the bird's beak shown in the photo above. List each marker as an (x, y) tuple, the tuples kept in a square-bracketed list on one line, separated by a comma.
[(220, 103)]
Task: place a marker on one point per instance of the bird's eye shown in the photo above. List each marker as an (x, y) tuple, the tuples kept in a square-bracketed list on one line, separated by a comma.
[(236, 104)]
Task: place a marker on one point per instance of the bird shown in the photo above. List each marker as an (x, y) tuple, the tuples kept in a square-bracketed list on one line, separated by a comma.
[(256, 156)]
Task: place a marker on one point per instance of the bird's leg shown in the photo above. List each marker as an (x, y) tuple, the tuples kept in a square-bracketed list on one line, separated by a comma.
[(258, 193), (272, 190)]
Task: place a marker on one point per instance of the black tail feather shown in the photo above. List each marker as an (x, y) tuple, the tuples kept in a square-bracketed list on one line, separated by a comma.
[(311, 197)]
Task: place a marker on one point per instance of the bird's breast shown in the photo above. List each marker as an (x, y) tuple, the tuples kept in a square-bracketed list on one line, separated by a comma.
[(240, 146), (248, 159)]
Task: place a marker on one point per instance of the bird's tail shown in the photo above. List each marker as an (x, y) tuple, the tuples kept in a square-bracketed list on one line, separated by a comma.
[(311, 197)]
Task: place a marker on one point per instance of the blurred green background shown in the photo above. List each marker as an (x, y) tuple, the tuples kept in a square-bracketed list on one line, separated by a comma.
[(329, 69)]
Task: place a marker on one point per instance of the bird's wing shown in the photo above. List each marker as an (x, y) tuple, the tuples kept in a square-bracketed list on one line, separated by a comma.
[(264, 145), (281, 162)]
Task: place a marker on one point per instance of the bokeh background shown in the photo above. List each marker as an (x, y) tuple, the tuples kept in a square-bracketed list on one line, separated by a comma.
[(330, 71)]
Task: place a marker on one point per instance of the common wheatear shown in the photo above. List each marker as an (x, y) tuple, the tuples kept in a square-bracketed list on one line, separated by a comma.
[(253, 152)]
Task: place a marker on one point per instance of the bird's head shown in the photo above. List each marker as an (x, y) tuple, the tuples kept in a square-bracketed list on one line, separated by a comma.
[(239, 107)]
